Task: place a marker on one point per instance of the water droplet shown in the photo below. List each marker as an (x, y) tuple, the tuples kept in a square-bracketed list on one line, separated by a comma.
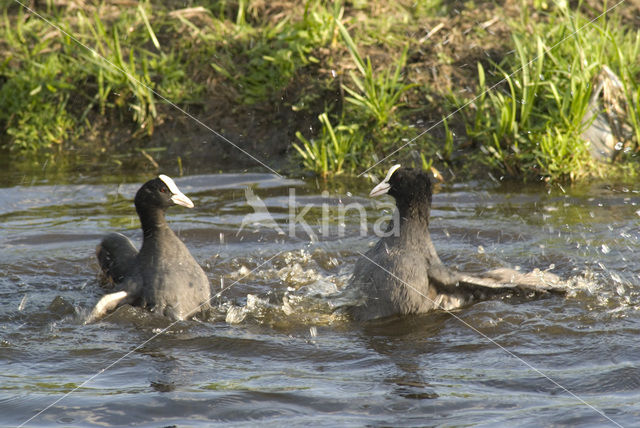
[(23, 303), (235, 315)]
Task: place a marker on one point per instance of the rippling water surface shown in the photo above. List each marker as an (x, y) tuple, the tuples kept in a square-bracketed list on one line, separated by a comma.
[(274, 353)]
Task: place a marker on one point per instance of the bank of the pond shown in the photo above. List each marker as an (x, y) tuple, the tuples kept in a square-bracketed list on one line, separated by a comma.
[(329, 87)]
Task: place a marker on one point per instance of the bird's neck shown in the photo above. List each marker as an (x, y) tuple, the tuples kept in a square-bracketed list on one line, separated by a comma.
[(414, 229), (152, 220), (414, 219)]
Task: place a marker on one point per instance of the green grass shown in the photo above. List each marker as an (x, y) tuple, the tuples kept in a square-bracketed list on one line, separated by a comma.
[(33, 98), (376, 94), (262, 60), (54, 85), (356, 80), (369, 122), (529, 124), (334, 151)]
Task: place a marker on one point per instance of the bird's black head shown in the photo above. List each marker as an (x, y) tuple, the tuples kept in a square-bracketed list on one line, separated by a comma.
[(160, 193), (411, 188)]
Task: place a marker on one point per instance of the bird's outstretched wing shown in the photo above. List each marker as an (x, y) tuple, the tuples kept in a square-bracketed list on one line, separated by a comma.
[(458, 289)]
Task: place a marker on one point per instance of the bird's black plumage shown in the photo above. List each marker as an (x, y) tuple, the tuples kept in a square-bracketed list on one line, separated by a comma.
[(402, 274), (163, 276)]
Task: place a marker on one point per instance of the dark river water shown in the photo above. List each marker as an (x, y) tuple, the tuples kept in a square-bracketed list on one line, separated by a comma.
[(274, 352)]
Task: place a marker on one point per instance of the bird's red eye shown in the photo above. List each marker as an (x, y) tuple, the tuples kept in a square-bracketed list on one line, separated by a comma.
[(163, 189)]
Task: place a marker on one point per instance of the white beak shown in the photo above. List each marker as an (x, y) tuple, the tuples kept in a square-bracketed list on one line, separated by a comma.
[(384, 186), (181, 199), (177, 197)]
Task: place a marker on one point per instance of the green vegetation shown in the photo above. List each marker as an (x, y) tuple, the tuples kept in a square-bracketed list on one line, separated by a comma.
[(264, 58), (333, 151), (530, 121), (58, 80), (377, 94), (351, 81), (369, 116)]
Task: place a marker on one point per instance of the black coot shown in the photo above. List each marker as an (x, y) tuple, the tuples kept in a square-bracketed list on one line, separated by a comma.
[(163, 276), (402, 274)]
